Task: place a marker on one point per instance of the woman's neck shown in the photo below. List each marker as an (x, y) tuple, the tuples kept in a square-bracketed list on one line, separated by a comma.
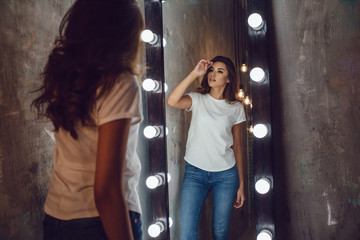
[(217, 93)]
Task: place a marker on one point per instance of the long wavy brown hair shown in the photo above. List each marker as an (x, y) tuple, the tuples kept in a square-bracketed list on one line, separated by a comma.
[(98, 40), (231, 89)]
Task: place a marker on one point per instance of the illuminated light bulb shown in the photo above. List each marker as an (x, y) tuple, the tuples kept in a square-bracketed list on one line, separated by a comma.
[(164, 42), (151, 131), (247, 100), (255, 21), (251, 129), (257, 74), (166, 131), (165, 87), (148, 36), (170, 222), (262, 185), (155, 229), (264, 235), (153, 182), (260, 130), (243, 68), (150, 85), (241, 93)]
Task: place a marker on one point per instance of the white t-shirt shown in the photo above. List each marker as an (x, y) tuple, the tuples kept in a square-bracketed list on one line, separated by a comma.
[(210, 138), (71, 192)]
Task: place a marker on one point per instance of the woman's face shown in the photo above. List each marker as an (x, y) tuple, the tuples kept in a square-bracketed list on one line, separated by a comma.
[(218, 75)]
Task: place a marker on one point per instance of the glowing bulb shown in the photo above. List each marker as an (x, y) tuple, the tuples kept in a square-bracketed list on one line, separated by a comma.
[(148, 36), (168, 177), (262, 186), (251, 129), (155, 229), (151, 131), (153, 182), (264, 235), (166, 131), (165, 87), (170, 222), (150, 85), (255, 21), (257, 74), (243, 68), (241, 93), (247, 100), (260, 130)]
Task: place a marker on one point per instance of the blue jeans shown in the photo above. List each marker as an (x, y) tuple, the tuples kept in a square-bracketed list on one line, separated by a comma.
[(84, 228), (196, 186)]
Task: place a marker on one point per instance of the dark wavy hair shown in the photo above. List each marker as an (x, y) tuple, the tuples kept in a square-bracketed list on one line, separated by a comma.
[(98, 40), (231, 89)]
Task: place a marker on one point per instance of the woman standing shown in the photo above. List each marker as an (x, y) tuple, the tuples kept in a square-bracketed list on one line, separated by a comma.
[(90, 94), (213, 155)]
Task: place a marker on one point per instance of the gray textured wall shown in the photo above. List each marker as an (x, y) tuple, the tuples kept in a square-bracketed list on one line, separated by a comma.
[(27, 30), (316, 97), (194, 30)]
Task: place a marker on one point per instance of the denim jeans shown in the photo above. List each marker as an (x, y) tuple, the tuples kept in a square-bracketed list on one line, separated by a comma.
[(84, 228), (196, 186)]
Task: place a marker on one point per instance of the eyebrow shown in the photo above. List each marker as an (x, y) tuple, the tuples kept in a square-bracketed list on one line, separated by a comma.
[(218, 68)]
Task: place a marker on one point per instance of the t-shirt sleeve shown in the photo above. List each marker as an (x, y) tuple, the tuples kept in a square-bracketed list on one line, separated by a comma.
[(123, 101), (240, 114), (194, 99)]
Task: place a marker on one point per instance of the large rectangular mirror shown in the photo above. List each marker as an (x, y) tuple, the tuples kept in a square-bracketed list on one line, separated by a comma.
[(194, 30)]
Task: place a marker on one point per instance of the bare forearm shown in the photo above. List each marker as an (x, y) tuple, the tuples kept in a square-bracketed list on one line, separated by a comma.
[(114, 215), (239, 164), (180, 89)]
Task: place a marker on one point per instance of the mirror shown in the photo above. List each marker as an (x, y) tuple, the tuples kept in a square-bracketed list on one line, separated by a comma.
[(194, 30)]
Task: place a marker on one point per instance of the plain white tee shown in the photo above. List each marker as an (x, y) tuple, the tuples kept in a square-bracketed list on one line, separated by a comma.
[(210, 138), (71, 192)]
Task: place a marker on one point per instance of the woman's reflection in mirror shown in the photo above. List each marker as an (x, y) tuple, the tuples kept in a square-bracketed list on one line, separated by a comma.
[(214, 148)]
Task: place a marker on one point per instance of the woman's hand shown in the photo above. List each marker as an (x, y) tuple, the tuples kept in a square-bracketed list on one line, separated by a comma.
[(240, 198), (201, 68)]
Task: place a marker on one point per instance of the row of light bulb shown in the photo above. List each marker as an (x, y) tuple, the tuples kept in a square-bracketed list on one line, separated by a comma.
[(152, 182), (257, 74)]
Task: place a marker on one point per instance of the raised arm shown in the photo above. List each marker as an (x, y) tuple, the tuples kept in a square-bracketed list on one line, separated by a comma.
[(108, 189), (176, 99)]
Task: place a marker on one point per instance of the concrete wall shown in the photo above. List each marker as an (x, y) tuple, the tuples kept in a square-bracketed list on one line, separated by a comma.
[(316, 111), (27, 30)]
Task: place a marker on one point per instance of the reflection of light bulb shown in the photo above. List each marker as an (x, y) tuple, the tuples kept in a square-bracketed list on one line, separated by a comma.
[(257, 74), (255, 21), (170, 222), (150, 85), (243, 68), (260, 130), (165, 87), (155, 229), (264, 235), (153, 182), (262, 185), (241, 93), (148, 36), (151, 131), (164, 42), (168, 177), (247, 100)]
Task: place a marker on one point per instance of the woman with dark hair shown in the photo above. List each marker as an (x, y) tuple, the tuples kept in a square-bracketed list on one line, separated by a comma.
[(92, 97), (214, 157)]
